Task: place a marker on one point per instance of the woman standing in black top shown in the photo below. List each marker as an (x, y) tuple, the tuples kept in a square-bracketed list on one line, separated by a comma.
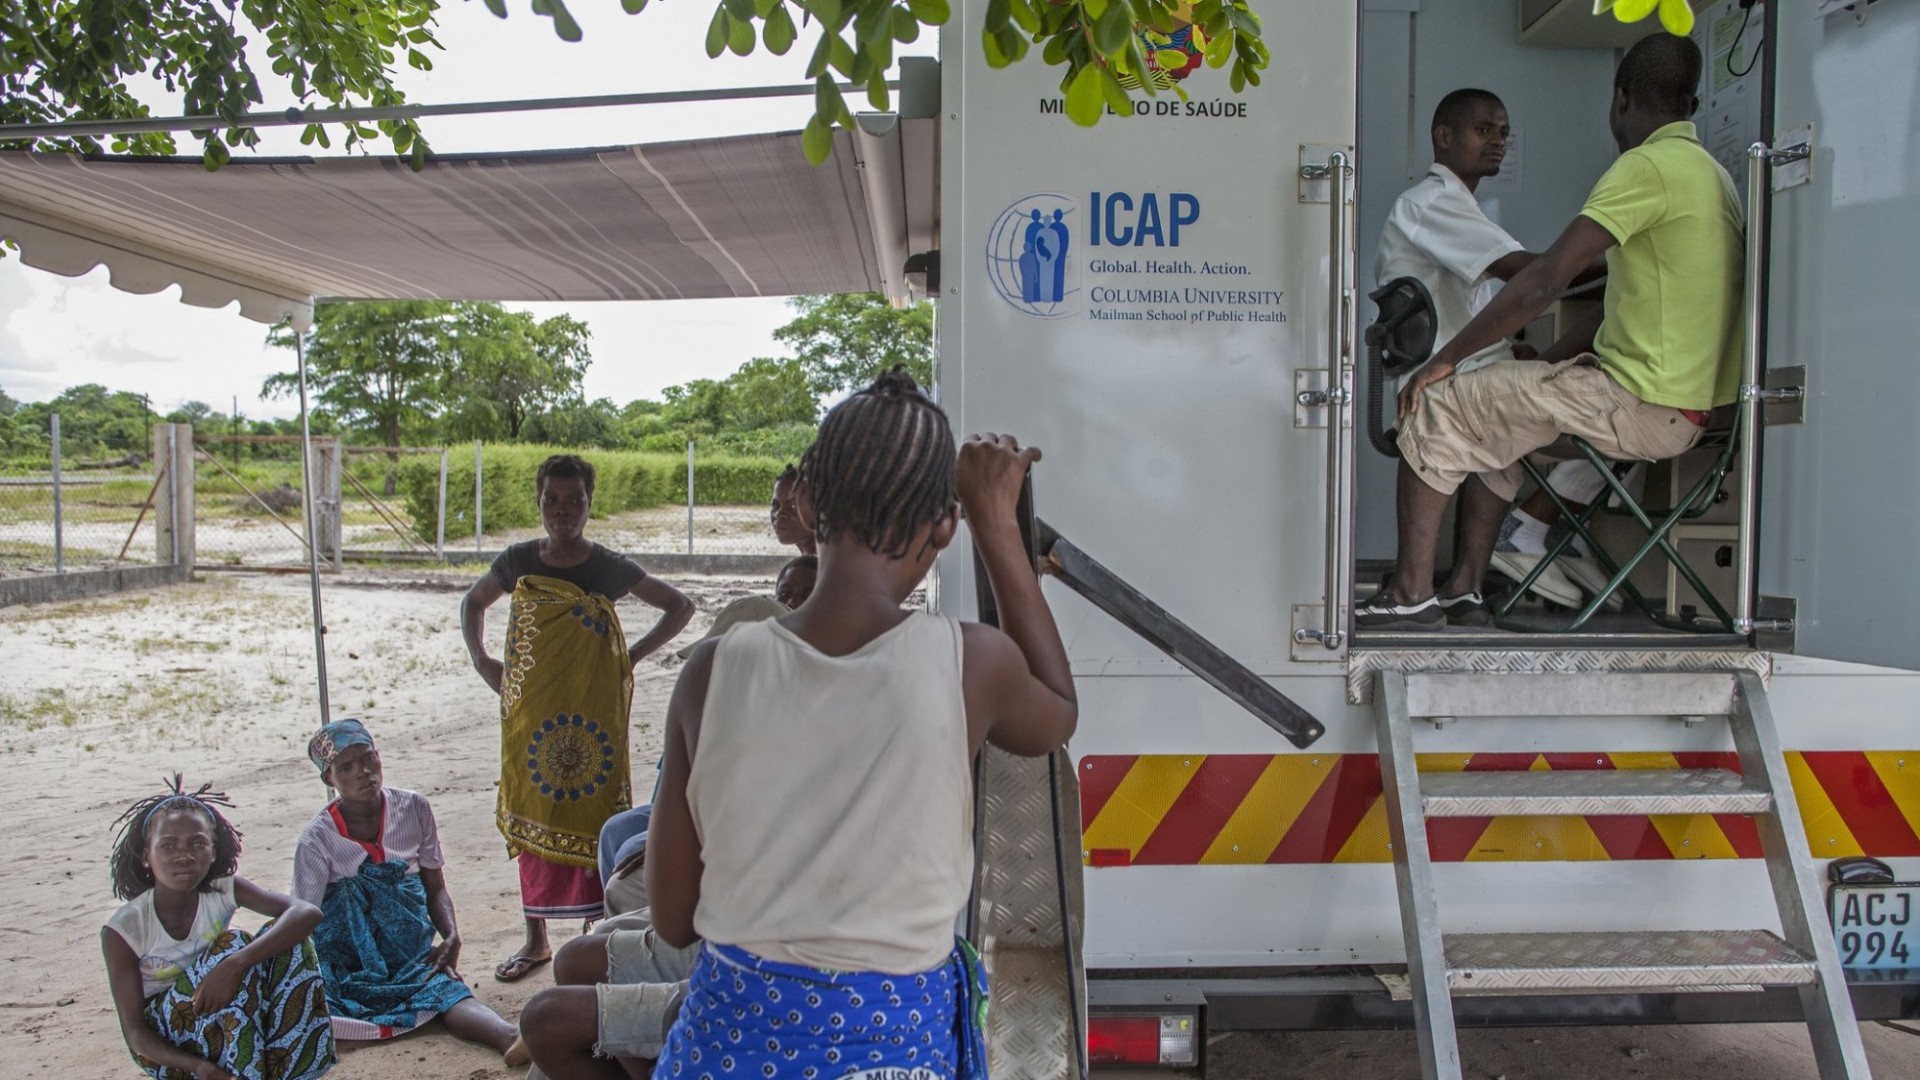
[(565, 685)]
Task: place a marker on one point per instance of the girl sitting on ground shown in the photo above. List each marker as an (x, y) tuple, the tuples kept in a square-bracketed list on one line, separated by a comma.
[(372, 863), (196, 997)]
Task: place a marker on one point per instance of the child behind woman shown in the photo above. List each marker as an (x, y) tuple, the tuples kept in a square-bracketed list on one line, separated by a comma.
[(196, 997), (371, 861)]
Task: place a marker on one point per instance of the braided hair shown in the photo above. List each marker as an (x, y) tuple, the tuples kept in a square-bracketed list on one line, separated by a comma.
[(882, 467), (131, 877)]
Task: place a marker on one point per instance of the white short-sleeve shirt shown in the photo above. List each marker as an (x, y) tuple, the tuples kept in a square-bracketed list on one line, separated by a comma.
[(162, 956), (1438, 234), (326, 854)]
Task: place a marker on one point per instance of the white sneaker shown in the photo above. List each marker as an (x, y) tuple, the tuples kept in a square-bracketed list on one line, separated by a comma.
[(1588, 574), (1551, 584)]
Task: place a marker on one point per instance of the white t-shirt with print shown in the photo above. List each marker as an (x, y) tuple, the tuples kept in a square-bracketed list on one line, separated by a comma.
[(162, 956)]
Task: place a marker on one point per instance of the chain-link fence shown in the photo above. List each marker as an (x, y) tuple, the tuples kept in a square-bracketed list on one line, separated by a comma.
[(70, 513), (373, 504), (393, 504), (247, 503)]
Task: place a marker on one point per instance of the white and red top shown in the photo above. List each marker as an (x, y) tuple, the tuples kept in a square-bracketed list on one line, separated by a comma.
[(326, 854)]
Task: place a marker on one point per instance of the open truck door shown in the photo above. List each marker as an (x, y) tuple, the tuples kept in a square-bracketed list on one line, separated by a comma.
[(1838, 513), (1147, 300)]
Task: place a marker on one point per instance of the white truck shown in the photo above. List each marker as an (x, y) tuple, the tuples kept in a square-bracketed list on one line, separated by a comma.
[(1630, 823), (1268, 819)]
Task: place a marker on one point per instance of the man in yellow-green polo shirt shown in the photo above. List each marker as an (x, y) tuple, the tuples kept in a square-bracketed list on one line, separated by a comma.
[(1637, 383)]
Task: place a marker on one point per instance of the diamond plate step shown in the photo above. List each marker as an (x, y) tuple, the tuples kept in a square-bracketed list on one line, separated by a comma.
[(1591, 792), (1600, 962)]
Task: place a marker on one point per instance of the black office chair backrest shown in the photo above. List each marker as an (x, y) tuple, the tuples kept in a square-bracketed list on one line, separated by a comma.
[(1401, 337)]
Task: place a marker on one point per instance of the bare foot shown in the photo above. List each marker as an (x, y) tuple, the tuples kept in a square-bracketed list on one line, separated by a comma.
[(518, 1055)]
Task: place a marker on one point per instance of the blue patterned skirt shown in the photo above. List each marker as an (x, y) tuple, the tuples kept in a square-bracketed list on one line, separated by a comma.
[(374, 939), (275, 1029), (748, 1018)]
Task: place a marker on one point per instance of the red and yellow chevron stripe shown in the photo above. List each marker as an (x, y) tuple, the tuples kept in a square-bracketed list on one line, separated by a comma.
[(1189, 810)]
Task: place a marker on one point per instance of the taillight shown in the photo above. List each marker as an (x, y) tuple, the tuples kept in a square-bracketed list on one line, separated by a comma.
[(1143, 1039)]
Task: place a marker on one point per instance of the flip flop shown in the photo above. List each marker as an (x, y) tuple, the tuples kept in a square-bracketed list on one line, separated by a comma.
[(517, 967)]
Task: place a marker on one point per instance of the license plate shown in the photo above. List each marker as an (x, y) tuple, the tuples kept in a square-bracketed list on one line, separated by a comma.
[(1875, 925)]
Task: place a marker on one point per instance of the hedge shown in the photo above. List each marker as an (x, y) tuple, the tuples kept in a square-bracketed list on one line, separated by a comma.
[(624, 480)]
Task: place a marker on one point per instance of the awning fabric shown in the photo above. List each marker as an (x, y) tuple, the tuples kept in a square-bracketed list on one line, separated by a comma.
[(729, 217)]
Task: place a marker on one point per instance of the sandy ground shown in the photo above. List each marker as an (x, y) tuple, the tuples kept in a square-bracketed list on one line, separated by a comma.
[(99, 699)]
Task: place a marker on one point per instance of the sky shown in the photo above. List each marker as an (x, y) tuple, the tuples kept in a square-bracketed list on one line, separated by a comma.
[(57, 331)]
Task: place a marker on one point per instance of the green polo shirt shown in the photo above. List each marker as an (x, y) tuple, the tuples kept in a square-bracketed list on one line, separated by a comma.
[(1671, 330)]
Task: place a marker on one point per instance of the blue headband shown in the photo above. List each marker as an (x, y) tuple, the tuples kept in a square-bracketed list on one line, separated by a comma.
[(340, 735)]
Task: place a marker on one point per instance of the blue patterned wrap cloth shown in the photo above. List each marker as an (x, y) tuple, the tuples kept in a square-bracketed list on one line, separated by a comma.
[(749, 1018), (373, 939)]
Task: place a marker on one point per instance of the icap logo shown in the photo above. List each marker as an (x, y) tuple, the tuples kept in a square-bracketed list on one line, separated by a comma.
[(1030, 256)]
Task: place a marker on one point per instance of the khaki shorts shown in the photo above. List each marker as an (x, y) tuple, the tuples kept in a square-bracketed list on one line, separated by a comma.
[(1483, 422), (646, 984)]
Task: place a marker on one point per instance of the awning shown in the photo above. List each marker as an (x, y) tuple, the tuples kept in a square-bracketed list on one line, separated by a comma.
[(744, 216)]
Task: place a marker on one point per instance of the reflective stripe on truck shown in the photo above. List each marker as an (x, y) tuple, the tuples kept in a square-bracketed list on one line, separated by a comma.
[(1224, 809)]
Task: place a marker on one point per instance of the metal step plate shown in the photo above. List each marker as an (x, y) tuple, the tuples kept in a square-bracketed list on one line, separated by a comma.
[(1594, 792), (1600, 962), (1037, 1021)]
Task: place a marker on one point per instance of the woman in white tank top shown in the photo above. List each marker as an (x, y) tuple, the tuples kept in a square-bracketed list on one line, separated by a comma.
[(813, 819)]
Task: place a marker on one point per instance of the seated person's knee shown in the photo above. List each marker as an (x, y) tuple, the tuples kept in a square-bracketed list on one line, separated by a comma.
[(581, 961), (558, 1019)]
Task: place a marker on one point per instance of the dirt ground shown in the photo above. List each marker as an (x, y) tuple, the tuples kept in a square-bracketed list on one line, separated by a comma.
[(99, 699)]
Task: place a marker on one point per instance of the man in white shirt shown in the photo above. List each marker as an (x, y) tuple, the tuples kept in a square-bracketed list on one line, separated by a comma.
[(1438, 235)]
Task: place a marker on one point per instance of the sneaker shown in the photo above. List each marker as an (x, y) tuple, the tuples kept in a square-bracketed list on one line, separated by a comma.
[(1588, 574), (1467, 609), (1383, 612), (1552, 584)]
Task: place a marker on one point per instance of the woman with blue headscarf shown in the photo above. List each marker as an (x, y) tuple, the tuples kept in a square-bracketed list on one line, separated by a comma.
[(372, 863)]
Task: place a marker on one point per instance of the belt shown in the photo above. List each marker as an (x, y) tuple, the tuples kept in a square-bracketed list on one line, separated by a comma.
[(1697, 417)]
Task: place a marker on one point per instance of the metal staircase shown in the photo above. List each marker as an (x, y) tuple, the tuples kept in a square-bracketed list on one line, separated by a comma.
[(1441, 965)]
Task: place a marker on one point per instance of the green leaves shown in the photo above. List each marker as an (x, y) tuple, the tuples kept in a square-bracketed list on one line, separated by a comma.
[(817, 139), (930, 12), (779, 31), (61, 59), (1085, 97)]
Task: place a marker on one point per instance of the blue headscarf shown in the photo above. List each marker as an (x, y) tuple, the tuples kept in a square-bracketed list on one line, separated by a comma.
[(330, 740)]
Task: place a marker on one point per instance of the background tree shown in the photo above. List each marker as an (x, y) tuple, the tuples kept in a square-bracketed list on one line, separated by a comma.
[(93, 419), (377, 366), (507, 367), (192, 412), (9, 431), (74, 59), (846, 340), (593, 423), (768, 393)]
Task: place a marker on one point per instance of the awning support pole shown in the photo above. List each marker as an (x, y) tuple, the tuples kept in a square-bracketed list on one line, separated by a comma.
[(313, 549)]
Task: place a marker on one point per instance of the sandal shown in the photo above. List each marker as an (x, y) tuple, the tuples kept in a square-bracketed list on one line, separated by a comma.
[(517, 967)]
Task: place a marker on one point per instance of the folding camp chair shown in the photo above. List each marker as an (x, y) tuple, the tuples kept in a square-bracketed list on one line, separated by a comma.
[(1659, 524)]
